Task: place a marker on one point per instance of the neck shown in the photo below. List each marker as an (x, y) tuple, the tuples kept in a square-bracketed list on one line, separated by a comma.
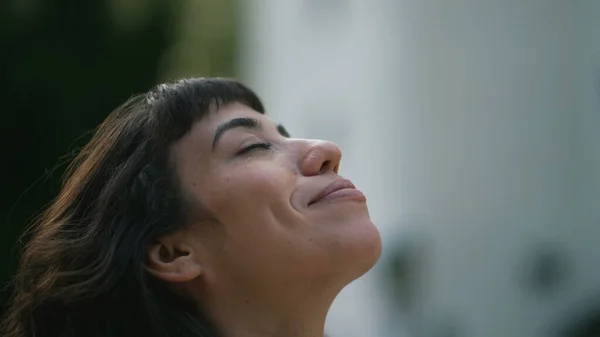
[(273, 314), (270, 326)]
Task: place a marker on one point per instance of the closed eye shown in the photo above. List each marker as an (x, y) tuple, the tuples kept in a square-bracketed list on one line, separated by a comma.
[(264, 146)]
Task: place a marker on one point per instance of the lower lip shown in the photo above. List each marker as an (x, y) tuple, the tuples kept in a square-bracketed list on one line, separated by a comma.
[(346, 194)]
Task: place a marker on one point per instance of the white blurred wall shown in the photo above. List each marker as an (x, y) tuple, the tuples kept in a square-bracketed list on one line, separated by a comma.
[(479, 121)]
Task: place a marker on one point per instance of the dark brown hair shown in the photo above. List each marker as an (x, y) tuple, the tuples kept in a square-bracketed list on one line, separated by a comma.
[(82, 272)]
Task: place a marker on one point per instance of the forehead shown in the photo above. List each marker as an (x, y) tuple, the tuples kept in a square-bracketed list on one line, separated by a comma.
[(216, 117), (203, 130)]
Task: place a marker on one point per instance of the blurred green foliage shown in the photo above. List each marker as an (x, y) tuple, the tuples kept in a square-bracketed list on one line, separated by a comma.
[(67, 64)]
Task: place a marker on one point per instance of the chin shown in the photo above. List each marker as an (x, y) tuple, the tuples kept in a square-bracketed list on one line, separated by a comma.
[(371, 246), (364, 251)]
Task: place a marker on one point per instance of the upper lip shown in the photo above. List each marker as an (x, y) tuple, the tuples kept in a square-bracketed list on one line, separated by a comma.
[(337, 185)]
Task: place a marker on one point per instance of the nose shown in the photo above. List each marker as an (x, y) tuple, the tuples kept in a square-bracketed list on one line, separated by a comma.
[(320, 157)]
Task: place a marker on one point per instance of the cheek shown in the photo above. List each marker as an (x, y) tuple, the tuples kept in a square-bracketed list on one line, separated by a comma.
[(250, 194)]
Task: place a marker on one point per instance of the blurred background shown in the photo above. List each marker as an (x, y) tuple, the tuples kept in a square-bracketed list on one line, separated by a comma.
[(473, 126)]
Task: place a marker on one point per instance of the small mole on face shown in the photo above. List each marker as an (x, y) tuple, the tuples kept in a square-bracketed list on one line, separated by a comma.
[(247, 302)]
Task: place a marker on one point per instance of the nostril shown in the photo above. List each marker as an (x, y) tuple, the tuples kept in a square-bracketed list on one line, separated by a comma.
[(325, 165), (320, 158)]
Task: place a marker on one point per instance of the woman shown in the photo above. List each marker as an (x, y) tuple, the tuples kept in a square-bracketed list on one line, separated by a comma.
[(190, 213)]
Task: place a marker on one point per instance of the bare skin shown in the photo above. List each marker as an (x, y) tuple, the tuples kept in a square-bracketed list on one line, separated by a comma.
[(270, 247)]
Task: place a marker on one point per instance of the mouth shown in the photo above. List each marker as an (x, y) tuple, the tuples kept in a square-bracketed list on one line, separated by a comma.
[(339, 189)]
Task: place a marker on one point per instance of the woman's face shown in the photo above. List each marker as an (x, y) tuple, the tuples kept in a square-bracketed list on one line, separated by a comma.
[(271, 210)]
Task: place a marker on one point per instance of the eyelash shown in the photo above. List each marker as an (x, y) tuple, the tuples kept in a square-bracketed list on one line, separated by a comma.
[(264, 146)]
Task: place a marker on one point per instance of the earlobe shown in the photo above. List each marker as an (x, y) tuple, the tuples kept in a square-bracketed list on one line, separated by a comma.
[(172, 264)]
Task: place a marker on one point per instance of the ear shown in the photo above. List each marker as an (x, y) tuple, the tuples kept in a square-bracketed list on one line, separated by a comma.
[(173, 259)]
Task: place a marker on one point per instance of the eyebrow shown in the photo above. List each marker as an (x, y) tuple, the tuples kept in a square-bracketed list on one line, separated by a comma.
[(243, 122)]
